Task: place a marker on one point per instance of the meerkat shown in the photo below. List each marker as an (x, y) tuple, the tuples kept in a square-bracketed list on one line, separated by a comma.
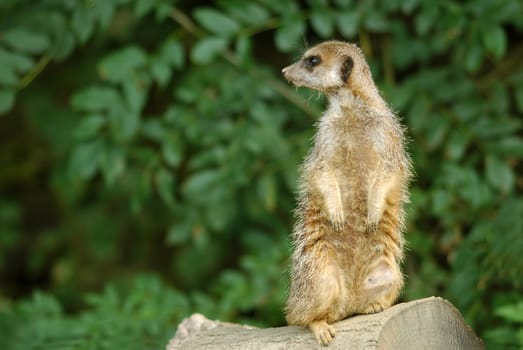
[(348, 237)]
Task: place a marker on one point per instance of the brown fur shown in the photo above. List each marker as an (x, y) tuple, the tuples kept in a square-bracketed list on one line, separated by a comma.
[(348, 241)]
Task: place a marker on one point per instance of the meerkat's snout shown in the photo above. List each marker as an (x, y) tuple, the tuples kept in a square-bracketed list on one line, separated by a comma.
[(290, 75), (302, 72), (284, 72)]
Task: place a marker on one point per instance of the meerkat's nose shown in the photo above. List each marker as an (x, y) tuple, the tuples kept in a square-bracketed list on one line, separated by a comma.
[(284, 69)]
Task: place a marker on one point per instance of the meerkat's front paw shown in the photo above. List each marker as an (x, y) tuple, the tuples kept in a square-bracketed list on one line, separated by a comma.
[(373, 218), (336, 214), (337, 218), (323, 332)]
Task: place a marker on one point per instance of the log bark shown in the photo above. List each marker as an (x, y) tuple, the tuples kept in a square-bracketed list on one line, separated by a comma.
[(430, 323)]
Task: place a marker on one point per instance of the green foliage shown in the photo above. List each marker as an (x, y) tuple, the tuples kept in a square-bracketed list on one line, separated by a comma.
[(155, 138), (138, 319)]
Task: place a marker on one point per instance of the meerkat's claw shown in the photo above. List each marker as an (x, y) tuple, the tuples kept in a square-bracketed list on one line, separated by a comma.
[(323, 332)]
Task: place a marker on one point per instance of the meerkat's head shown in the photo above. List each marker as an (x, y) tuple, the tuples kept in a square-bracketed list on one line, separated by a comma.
[(329, 66)]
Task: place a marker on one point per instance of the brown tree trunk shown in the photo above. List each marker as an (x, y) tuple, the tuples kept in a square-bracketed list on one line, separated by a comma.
[(430, 323)]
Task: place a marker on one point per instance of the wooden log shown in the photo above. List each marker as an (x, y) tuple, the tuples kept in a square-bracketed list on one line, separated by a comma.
[(430, 323)]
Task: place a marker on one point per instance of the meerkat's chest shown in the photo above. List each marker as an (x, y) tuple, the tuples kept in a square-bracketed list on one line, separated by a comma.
[(344, 141)]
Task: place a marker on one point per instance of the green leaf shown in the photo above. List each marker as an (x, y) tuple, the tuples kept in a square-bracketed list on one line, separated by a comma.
[(485, 128), (407, 6), (436, 130), (7, 100), (103, 11), (165, 186), (171, 151), (161, 73), (125, 124), (135, 95), (267, 191), (83, 24), (112, 164), (142, 184), (499, 174), (8, 76), (501, 337), (252, 14), (121, 65), (323, 23), (511, 146), (317, 4), (153, 129), (96, 98), (457, 144), (63, 41), (84, 160), (347, 22), (441, 201), (376, 22), (216, 22), (200, 183), (513, 313), (219, 214), (208, 49), (283, 8), (163, 10), (243, 48), (495, 41), (465, 181), (24, 40), (473, 58), (89, 126), (19, 62), (344, 3), (519, 98), (172, 53), (142, 7), (419, 106), (426, 19), (178, 234), (288, 37)]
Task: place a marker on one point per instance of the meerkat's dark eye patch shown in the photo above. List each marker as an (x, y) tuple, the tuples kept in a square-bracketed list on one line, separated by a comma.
[(311, 61), (346, 68)]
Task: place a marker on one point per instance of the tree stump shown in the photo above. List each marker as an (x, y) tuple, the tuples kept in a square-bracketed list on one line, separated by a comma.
[(431, 323)]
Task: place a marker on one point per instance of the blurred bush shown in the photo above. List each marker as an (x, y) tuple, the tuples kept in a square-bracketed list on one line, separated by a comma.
[(149, 153)]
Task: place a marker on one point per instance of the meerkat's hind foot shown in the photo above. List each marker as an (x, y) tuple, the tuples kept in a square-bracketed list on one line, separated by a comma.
[(323, 332), (374, 308)]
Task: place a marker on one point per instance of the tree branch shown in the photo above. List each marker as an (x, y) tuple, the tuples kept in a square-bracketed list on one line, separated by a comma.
[(34, 72)]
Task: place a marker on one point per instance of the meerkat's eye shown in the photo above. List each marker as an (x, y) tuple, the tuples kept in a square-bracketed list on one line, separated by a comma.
[(311, 61)]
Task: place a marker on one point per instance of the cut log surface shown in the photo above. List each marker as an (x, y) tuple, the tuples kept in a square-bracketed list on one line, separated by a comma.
[(430, 323)]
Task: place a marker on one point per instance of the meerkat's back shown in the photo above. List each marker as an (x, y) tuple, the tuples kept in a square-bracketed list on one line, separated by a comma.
[(348, 241)]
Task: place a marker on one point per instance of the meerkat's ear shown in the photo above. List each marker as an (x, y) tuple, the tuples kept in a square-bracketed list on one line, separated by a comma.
[(346, 67)]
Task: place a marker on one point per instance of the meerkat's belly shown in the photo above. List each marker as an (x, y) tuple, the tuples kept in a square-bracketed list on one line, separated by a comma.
[(352, 176)]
